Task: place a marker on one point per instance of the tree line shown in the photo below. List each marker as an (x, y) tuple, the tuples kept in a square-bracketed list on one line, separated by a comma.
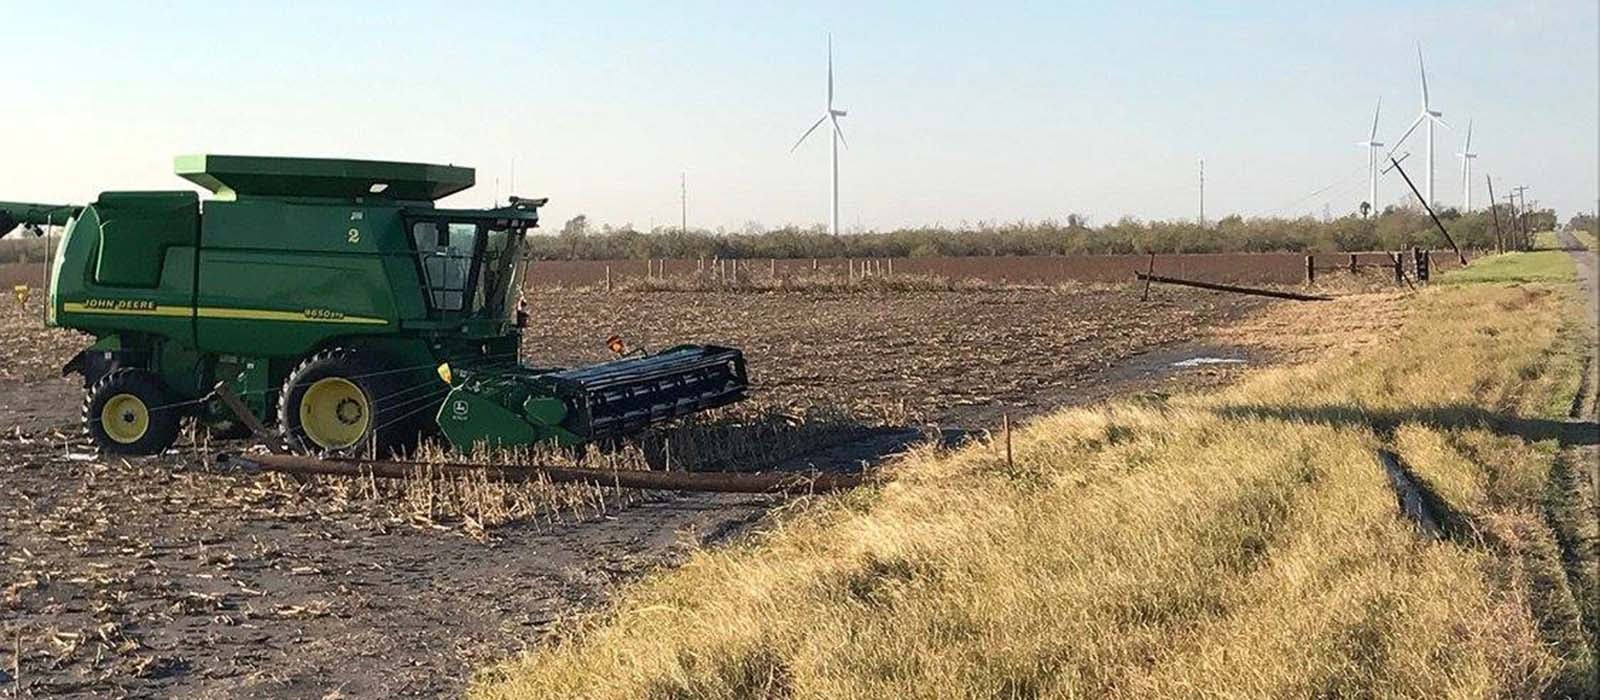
[(1393, 229)]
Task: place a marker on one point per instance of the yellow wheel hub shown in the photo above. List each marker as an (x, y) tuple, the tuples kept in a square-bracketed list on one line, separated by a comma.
[(125, 418), (334, 413)]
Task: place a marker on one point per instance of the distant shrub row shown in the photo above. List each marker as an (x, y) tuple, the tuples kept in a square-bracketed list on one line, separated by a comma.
[(1393, 229)]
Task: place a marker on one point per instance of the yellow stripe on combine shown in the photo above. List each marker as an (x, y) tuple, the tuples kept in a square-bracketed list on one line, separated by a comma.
[(220, 313), (300, 316)]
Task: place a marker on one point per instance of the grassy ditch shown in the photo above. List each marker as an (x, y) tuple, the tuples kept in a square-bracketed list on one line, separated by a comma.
[(1244, 543)]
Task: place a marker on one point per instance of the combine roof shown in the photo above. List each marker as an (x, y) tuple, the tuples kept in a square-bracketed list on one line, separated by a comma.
[(227, 176)]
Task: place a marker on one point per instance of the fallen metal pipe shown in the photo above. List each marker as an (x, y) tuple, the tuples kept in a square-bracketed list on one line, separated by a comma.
[(722, 482), (1230, 288)]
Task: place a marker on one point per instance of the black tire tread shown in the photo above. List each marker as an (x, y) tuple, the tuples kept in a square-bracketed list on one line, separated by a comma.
[(165, 419), (368, 371)]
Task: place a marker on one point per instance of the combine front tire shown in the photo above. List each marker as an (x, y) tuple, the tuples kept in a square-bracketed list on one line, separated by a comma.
[(127, 412), (343, 401)]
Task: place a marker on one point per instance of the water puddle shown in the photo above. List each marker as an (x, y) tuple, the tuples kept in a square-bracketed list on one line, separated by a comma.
[(1200, 361)]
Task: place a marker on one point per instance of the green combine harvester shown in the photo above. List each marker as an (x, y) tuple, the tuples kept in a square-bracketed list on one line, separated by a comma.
[(342, 306)]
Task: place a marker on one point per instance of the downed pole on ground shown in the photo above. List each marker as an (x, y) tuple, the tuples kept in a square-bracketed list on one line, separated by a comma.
[(1275, 294), (722, 482)]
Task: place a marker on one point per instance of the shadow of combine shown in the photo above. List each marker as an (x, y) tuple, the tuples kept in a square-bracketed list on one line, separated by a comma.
[(1448, 417), (1417, 497)]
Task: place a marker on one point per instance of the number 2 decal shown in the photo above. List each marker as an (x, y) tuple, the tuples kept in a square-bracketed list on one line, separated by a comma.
[(354, 236)]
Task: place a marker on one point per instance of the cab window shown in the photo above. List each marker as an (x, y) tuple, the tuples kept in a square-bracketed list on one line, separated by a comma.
[(445, 252)]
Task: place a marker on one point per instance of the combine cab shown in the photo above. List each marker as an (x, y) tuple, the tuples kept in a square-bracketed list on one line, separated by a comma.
[(333, 297)]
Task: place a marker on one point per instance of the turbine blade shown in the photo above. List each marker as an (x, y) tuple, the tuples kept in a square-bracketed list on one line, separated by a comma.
[(1441, 121), (830, 71), (1375, 114), (1468, 148), (808, 133), (1424, 71), (838, 130), (1403, 136)]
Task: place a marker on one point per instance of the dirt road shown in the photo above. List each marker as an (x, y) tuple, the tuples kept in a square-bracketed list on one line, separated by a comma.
[(1586, 407)]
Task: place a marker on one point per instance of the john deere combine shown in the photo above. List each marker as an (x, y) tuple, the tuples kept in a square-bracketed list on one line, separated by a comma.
[(342, 305)]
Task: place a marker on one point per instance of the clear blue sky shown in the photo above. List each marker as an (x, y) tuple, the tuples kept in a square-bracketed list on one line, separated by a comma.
[(958, 111)]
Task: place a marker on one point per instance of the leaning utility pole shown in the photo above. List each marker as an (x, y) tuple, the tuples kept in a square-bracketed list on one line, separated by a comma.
[(683, 200), (1395, 164), (1202, 193)]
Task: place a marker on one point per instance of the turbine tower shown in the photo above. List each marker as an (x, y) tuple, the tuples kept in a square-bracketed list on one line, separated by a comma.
[(1372, 145), (1431, 116), (830, 115), (1466, 155)]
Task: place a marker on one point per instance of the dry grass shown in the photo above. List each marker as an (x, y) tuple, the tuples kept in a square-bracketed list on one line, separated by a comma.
[(1345, 325), (1241, 544)]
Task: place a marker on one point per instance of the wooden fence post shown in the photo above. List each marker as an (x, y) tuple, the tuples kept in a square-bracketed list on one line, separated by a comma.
[(1145, 295), (772, 267), (1352, 263), (1399, 267), (1311, 269), (1005, 426), (608, 278), (891, 267)]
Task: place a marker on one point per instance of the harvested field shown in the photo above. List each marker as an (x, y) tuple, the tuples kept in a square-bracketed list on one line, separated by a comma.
[(945, 356), (172, 576), (1237, 268), (13, 274)]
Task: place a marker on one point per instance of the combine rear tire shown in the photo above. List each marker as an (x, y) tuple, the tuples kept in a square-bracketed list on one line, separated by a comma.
[(128, 412), (344, 401)]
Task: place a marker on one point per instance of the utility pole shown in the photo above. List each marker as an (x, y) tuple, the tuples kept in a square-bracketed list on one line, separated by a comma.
[(1494, 210), (1522, 215), (683, 201), (1202, 193), (1511, 209)]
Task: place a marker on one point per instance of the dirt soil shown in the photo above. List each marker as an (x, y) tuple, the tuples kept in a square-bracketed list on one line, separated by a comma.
[(173, 577), (931, 356)]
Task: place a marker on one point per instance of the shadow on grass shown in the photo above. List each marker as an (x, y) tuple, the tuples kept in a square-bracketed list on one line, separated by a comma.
[(1448, 417)]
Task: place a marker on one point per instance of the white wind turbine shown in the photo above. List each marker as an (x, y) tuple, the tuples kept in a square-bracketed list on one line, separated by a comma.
[(831, 115), (1430, 116), (1372, 145), (1466, 155)]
